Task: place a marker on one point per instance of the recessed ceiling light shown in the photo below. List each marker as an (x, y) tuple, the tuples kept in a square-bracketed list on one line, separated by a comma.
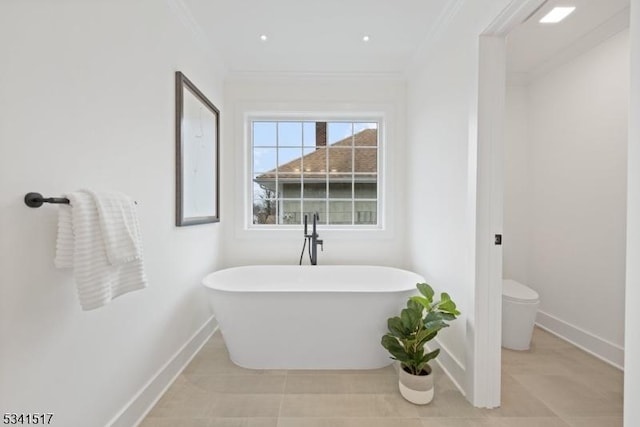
[(264, 37), (557, 14), (365, 38)]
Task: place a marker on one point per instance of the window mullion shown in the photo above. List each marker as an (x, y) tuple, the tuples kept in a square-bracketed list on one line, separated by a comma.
[(278, 210), (326, 174), (340, 186), (302, 173), (353, 176)]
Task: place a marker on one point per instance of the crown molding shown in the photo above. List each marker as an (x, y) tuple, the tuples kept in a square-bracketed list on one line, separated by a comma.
[(517, 12), (442, 23), (184, 15), (181, 11), (609, 28), (289, 75)]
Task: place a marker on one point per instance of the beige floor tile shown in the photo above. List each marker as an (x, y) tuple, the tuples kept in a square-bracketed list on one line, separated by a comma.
[(595, 422), (215, 362), (175, 422), (609, 384), (341, 384), (182, 399), (530, 422), (459, 422), (349, 422), (244, 405), (543, 361), (347, 405), (568, 397), (242, 384), (517, 401), (494, 422), (182, 411), (387, 370), (449, 402), (584, 364), (174, 391), (244, 422), (553, 379), (595, 374), (545, 340)]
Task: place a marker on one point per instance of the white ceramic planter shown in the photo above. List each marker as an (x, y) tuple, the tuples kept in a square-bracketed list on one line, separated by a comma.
[(417, 389)]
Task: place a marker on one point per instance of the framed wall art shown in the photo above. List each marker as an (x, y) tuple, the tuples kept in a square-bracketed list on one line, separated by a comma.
[(197, 155)]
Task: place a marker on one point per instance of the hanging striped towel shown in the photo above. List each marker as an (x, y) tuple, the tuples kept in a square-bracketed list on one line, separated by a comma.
[(83, 239), (119, 224), (64, 243)]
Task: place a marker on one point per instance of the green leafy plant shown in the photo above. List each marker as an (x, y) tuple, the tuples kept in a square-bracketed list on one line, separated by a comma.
[(418, 324)]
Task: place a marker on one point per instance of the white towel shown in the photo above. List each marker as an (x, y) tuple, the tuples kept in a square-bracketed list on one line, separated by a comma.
[(64, 243), (81, 245), (119, 223)]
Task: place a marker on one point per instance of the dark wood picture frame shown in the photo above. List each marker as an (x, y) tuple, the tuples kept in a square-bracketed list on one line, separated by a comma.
[(197, 141)]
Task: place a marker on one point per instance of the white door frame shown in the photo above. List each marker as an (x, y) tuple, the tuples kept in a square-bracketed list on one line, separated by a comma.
[(632, 294), (484, 344)]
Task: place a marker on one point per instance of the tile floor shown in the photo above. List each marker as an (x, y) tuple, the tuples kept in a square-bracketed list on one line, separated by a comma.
[(552, 385)]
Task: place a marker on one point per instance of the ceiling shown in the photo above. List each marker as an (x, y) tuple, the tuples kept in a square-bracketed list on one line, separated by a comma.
[(317, 36), (326, 37), (533, 47)]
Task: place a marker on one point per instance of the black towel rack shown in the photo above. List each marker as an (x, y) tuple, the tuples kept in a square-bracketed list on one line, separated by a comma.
[(35, 200)]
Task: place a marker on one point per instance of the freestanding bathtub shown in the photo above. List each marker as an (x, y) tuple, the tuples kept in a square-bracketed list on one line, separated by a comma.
[(308, 317)]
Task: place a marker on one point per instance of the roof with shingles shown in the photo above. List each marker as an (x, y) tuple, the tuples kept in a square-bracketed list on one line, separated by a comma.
[(341, 160)]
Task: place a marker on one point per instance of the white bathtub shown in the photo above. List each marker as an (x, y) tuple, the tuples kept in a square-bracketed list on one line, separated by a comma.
[(308, 317)]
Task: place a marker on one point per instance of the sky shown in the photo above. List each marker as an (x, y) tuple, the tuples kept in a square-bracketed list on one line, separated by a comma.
[(294, 140)]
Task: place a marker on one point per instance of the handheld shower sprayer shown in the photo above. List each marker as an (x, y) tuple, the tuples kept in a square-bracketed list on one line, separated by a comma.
[(312, 239)]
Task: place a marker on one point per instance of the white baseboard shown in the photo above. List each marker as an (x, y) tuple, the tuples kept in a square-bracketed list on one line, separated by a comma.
[(137, 408), (451, 366), (607, 351)]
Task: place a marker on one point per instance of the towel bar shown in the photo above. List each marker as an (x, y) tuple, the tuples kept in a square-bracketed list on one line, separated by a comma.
[(35, 200)]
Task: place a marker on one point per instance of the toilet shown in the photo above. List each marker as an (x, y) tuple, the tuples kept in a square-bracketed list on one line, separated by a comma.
[(519, 307)]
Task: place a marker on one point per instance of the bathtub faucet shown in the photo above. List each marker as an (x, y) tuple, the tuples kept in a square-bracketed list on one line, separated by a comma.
[(312, 239)]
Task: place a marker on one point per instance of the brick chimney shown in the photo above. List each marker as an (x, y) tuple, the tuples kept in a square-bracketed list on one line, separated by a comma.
[(321, 134)]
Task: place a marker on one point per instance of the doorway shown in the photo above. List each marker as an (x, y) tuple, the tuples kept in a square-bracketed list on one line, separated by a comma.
[(491, 195)]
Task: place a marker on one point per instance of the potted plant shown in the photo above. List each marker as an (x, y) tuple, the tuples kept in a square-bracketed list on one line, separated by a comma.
[(408, 333)]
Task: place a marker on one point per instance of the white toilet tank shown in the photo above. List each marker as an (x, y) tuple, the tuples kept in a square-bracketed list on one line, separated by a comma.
[(519, 307)]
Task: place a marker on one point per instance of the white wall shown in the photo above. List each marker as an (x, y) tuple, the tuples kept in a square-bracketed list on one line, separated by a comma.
[(321, 95), (566, 205), (87, 101), (632, 295), (516, 187), (442, 141)]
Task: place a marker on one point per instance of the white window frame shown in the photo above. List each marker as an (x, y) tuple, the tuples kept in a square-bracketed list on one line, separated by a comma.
[(354, 117)]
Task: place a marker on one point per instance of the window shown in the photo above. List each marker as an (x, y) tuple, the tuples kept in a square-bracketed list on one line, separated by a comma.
[(302, 167)]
